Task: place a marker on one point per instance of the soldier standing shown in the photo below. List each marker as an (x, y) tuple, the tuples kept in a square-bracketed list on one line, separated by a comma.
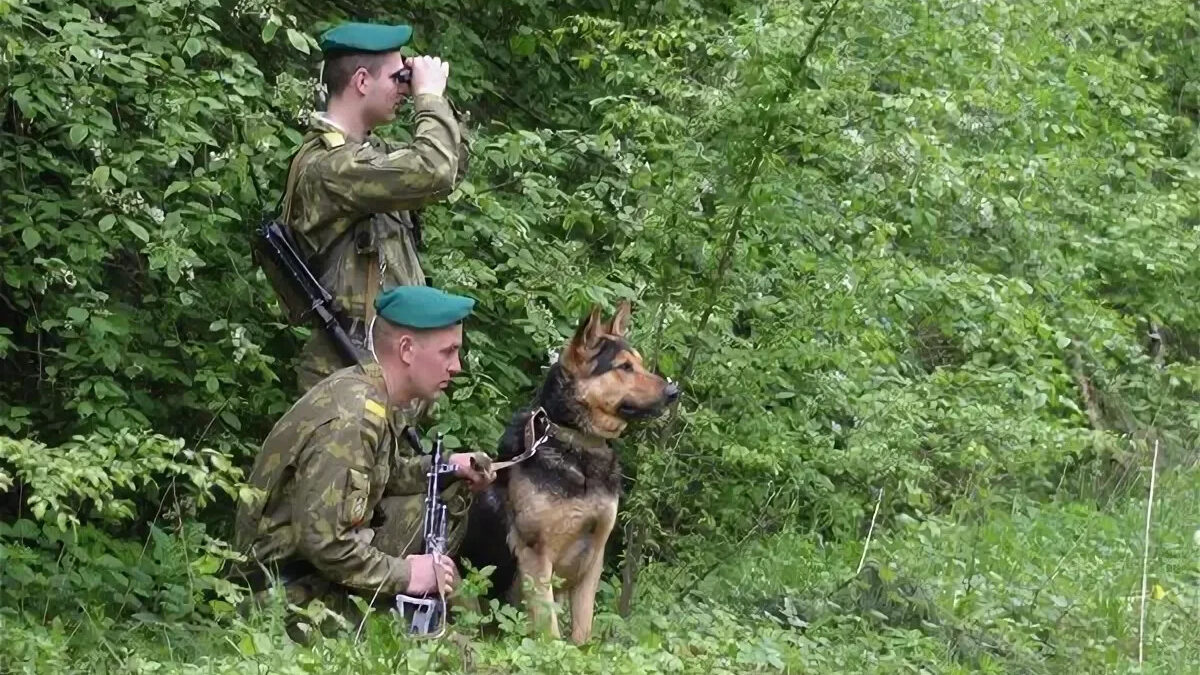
[(350, 196), (341, 497)]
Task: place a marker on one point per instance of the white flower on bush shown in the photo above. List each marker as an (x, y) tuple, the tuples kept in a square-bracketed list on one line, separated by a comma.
[(985, 211), (996, 42), (971, 123), (1031, 169), (473, 361), (241, 345)]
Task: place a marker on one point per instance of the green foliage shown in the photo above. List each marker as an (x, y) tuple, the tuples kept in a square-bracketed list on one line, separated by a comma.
[(994, 586), (942, 250), (169, 576), (68, 552), (100, 475), (129, 129)]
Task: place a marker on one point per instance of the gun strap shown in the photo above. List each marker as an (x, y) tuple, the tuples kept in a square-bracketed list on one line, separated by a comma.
[(373, 282), (285, 200)]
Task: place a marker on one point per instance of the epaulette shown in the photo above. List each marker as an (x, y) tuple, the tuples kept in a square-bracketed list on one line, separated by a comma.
[(375, 409), (333, 139), (376, 417)]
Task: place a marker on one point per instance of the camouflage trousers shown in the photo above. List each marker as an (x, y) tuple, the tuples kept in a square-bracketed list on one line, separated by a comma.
[(395, 530)]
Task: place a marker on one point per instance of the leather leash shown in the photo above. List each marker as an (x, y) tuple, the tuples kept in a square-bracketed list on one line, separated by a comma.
[(532, 440)]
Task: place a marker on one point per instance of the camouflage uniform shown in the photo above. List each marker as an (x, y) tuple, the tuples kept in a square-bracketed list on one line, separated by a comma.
[(342, 494), (348, 203)]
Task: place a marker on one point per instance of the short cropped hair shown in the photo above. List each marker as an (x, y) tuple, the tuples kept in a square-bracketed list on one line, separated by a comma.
[(385, 332), (340, 67)]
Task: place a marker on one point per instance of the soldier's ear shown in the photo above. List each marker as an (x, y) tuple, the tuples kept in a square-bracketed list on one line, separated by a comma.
[(358, 81), (406, 348)]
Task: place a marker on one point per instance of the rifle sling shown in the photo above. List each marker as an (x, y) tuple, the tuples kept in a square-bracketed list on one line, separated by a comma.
[(373, 282)]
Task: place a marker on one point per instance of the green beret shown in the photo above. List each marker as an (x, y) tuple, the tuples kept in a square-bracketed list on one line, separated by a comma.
[(365, 37), (422, 307)]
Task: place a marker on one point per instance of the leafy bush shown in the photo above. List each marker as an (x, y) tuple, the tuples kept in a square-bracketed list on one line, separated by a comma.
[(929, 251), (99, 475), (85, 499)]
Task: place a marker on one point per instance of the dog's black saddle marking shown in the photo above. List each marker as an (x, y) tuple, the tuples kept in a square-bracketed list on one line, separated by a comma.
[(560, 467)]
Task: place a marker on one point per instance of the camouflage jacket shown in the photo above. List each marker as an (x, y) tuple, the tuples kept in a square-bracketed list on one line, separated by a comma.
[(323, 468), (348, 202)]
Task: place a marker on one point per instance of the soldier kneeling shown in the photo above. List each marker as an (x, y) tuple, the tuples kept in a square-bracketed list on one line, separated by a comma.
[(344, 494)]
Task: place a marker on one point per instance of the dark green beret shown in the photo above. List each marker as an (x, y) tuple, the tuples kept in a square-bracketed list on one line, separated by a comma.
[(422, 307), (365, 37)]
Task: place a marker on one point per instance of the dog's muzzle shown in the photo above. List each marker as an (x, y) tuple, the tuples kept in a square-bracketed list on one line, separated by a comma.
[(631, 411)]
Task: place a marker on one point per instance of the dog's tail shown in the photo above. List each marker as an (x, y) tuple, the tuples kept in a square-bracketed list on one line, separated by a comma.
[(486, 541)]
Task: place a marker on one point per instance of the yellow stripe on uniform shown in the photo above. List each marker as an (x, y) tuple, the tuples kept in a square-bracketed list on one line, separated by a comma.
[(376, 409), (376, 419)]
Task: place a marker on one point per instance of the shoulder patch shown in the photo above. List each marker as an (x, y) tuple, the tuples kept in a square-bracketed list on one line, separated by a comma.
[(360, 492), (333, 139)]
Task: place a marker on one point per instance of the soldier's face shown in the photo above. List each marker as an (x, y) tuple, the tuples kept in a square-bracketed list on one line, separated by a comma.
[(385, 94), (433, 360)]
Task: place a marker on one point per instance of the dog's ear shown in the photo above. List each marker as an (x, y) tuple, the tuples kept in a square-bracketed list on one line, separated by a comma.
[(582, 347), (620, 321), (590, 329)]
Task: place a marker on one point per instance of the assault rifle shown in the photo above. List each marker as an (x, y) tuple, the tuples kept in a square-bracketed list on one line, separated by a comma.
[(429, 612), (300, 292)]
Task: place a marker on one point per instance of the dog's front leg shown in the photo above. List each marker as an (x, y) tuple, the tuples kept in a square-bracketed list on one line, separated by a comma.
[(583, 595), (537, 570), (583, 599)]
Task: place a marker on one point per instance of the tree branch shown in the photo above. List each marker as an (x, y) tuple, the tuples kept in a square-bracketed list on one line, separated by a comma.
[(716, 281)]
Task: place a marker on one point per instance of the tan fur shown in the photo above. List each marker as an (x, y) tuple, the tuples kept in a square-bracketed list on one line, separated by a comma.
[(603, 394), (564, 537)]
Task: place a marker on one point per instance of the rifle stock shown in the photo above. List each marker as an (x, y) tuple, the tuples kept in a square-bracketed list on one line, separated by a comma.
[(303, 296)]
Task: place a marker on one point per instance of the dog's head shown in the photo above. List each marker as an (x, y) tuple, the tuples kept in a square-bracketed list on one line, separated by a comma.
[(609, 380)]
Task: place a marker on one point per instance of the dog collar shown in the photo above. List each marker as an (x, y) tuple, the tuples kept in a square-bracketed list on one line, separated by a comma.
[(577, 438), (535, 440)]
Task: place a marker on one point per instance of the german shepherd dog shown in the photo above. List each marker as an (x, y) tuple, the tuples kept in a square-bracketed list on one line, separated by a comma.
[(551, 513)]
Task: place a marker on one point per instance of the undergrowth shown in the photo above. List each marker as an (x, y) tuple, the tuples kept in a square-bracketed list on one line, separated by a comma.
[(939, 257), (992, 585)]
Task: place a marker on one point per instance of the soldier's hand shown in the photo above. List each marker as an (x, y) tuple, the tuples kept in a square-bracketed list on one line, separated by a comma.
[(475, 467), (429, 573), (429, 74)]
